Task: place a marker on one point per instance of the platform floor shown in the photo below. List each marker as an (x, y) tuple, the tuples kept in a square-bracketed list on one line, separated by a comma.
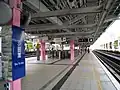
[(33, 60), (88, 75), (39, 75)]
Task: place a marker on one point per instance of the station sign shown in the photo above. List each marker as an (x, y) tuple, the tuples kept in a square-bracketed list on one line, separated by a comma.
[(57, 40), (85, 40)]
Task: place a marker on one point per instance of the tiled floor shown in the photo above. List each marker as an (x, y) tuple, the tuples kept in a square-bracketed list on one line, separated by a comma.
[(89, 75), (38, 75)]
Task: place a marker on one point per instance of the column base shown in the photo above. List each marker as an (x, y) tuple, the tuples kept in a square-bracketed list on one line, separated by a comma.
[(15, 85)]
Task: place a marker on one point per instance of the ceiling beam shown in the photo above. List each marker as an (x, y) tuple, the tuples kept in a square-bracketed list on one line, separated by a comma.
[(54, 27), (78, 36), (38, 6), (69, 33), (111, 18), (72, 21), (107, 8), (86, 10)]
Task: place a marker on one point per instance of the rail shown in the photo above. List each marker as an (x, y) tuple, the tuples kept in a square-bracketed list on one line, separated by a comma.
[(111, 63)]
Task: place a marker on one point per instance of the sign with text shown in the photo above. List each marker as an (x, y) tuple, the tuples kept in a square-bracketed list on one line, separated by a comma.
[(18, 53), (85, 40)]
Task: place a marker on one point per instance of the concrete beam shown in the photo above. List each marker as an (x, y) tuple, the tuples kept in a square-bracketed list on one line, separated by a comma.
[(86, 10), (53, 27)]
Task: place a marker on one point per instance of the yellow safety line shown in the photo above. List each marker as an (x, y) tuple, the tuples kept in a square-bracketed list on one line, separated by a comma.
[(96, 75), (97, 78)]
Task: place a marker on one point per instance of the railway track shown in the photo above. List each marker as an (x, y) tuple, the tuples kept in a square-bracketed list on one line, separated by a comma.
[(117, 54), (111, 64)]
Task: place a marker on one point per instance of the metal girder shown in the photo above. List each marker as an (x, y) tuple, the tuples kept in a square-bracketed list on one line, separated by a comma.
[(75, 19), (72, 21), (51, 27), (37, 5), (86, 10), (111, 18), (78, 36), (107, 8), (69, 33)]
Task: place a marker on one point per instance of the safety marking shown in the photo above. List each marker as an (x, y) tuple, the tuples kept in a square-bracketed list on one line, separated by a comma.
[(113, 80), (96, 75)]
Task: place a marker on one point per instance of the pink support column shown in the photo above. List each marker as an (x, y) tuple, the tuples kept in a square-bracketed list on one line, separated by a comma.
[(72, 56), (43, 54), (15, 85)]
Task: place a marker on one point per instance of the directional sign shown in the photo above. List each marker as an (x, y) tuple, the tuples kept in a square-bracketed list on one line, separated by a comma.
[(83, 40)]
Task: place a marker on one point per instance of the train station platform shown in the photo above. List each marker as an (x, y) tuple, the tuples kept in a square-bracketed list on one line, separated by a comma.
[(40, 76), (87, 75), (90, 75)]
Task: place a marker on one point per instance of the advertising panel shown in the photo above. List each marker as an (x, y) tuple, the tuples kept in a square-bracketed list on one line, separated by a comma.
[(18, 53)]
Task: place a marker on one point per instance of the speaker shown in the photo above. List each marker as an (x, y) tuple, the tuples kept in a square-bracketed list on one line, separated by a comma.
[(5, 13)]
